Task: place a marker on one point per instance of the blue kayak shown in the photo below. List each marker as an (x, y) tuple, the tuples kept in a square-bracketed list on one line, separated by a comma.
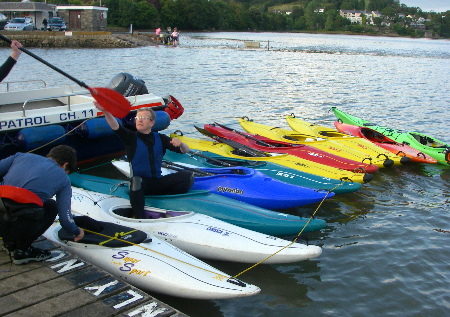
[(220, 207), (243, 184), (294, 177)]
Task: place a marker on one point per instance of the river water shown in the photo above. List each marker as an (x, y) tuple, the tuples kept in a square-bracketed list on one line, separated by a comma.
[(386, 247)]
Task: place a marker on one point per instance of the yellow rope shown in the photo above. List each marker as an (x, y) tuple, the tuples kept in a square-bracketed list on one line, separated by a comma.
[(145, 248), (298, 235)]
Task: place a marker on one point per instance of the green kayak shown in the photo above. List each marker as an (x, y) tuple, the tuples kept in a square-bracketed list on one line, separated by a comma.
[(431, 146)]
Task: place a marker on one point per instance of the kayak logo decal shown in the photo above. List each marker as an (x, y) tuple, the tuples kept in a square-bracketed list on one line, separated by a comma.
[(169, 235), (217, 230), (285, 174), (77, 197), (220, 277), (222, 189), (127, 263), (314, 154)]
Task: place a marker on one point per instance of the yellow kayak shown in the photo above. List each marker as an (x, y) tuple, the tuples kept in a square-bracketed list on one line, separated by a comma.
[(305, 127), (356, 143), (356, 149), (285, 160)]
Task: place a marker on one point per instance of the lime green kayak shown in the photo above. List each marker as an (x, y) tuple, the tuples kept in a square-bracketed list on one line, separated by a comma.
[(437, 149)]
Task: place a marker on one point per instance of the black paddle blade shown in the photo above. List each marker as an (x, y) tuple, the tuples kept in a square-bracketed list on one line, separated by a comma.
[(248, 151), (244, 135)]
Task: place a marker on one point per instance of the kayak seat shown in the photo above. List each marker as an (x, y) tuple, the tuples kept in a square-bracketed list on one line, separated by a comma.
[(153, 214), (171, 213), (103, 233)]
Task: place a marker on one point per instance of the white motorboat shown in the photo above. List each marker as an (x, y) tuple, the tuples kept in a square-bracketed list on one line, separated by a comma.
[(38, 119), (197, 234), (147, 262)]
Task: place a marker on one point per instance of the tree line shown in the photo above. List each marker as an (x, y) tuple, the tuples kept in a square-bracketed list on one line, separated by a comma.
[(263, 15)]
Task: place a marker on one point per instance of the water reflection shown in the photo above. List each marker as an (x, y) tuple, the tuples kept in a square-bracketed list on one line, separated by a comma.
[(385, 249)]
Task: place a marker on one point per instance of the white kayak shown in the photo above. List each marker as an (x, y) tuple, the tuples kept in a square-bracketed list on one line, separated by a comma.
[(200, 235), (148, 263)]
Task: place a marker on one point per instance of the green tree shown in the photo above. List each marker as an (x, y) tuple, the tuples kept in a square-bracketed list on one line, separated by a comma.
[(378, 21), (146, 15), (311, 17), (329, 23)]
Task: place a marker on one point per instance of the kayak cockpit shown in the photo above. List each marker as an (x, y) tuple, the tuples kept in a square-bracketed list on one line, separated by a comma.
[(127, 212), (105, 233)]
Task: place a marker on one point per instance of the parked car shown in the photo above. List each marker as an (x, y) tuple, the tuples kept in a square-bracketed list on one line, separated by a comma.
[(56, 24), (3, 21), (20, 24)]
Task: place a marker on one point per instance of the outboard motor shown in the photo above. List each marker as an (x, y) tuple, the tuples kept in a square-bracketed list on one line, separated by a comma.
[(128, 85)]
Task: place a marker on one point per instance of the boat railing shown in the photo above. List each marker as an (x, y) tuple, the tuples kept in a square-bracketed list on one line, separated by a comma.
[(51, 98), (9, 83)]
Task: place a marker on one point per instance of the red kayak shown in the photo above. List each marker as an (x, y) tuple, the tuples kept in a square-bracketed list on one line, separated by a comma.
[(383, 141), (306, 152)]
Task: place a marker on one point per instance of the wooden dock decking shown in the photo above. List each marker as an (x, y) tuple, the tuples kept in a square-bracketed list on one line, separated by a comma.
[(67, 286)]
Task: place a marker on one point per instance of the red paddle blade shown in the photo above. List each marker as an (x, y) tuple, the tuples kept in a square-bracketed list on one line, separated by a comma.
[(174, 108), (111, 100)]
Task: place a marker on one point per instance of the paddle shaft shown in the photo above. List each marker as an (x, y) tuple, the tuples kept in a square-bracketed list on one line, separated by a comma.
[(7, 40), (223, 163), (178, 167)]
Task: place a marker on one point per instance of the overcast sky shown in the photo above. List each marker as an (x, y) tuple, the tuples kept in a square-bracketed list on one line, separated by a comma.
[(428, 5)]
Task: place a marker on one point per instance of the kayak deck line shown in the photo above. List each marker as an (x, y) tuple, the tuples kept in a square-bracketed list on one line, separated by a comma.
[(219, 276)]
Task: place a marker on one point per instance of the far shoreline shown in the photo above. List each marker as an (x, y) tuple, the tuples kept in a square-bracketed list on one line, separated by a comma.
[(139, 38)]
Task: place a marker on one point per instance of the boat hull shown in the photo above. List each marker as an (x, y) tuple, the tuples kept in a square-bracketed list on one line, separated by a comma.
[(39, 119), (200, 235), (292, 158), (354, 148), (246, 185), (307, 152), (157, 266), (214, 152), (386, 143), (429, 145), (223, 208)]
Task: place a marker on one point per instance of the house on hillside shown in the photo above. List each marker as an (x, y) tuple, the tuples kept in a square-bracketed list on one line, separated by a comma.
[(357, 16)]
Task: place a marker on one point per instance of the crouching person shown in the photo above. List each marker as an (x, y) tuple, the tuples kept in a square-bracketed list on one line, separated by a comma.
[(25, 217)]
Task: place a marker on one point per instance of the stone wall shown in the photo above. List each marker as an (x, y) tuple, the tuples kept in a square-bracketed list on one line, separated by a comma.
[(77, 39)]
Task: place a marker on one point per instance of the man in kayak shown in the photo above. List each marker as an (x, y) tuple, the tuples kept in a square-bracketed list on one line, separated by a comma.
[(44, 177), (145, 150), (11, 60)]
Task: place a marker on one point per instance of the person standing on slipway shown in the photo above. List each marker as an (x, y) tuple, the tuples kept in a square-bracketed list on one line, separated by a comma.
[(44, 177)]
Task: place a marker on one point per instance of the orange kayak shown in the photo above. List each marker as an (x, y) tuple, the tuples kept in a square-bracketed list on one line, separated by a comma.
[(386, 143)]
